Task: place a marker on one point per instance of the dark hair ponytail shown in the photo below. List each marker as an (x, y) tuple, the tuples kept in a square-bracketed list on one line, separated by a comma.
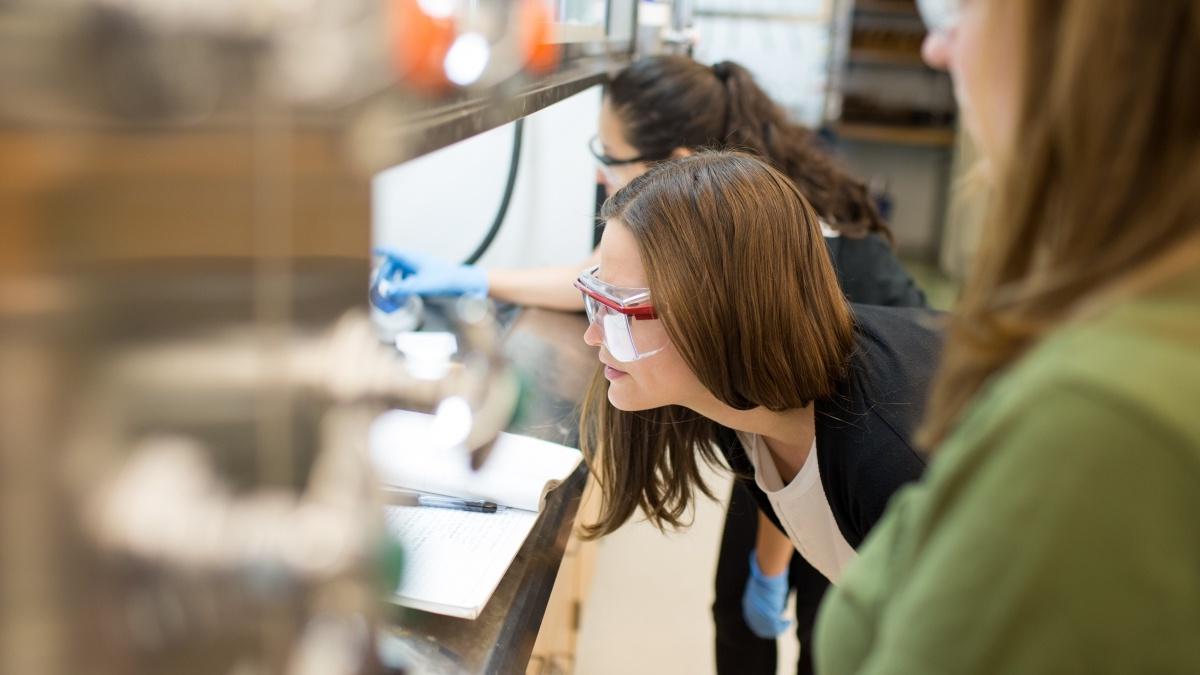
[(669, 102)]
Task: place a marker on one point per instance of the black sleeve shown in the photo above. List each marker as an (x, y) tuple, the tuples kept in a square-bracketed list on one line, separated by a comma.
[(870, 273), (862, 466), (864, 435)]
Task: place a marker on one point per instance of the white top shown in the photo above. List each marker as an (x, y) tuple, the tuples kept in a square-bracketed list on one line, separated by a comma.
[(802, 508)]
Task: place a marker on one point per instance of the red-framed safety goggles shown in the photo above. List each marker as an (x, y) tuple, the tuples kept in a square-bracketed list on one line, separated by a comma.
[(620, 312)]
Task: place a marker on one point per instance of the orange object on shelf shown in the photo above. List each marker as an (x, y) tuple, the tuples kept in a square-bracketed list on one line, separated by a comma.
[(419, 44), (534, 23)]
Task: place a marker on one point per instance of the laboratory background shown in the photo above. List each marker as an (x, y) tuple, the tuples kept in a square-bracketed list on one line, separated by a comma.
[(232, 443)]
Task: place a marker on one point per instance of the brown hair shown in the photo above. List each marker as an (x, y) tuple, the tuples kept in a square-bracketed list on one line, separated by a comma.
[(670, 102), (741, 279), (1102, 181)]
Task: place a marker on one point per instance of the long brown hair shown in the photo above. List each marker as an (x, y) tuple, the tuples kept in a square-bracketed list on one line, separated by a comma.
[(670, 102), (1102, 181), (741, 279)]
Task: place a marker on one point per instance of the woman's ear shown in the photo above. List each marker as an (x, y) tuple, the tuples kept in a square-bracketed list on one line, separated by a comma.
[(679, 153)]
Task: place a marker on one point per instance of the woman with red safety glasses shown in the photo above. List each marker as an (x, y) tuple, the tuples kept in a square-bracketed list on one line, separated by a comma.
[(721, 328), (665, 107)]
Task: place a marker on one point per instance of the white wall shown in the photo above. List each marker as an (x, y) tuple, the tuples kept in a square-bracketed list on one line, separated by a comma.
[(443, 203), (789, 59), (917, 178)]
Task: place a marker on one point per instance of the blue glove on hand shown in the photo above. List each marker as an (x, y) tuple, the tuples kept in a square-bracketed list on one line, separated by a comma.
[(406, 273), (764, 601)]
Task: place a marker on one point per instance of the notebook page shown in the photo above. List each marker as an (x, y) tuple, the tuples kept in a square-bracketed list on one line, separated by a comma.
[(522, 470), (519, 471), (455, 559)]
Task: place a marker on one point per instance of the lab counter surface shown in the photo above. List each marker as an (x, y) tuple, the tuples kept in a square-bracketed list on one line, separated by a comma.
[(548, 352)]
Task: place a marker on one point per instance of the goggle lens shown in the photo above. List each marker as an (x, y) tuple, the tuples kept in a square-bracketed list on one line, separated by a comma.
[(939, 15), (618, 332)]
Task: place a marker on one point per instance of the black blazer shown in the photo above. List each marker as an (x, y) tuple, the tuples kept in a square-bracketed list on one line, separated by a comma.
[(869, 273), (864, 432)]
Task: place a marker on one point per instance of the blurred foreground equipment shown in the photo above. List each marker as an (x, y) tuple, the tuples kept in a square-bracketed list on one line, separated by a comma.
[(187, 369)]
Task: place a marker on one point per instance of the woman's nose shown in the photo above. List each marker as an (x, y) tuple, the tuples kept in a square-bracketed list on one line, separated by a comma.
[(935, 50), (593, 336)]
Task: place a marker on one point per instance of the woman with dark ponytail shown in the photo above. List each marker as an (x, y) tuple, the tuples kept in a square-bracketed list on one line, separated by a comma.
[(669, 107), (668, 103)]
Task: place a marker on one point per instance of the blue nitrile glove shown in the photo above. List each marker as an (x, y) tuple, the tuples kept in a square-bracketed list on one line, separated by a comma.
[(764, 601), (406, 273)]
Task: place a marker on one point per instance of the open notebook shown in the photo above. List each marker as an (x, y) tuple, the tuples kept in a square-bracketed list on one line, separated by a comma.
[(455, 559)]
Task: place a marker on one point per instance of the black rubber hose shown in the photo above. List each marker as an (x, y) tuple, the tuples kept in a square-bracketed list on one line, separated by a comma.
[(514, 165)]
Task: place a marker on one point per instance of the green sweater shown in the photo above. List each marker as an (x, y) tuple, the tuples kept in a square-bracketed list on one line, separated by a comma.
[(1058, 530)]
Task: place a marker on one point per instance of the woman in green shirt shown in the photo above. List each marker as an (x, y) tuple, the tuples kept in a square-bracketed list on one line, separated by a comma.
[(1055, 531)]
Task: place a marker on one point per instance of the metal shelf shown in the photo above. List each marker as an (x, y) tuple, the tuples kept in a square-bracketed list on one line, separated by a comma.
[(938, 137), (888, 8), (399, 126), (384, 122), (774, 17), (889, 58)]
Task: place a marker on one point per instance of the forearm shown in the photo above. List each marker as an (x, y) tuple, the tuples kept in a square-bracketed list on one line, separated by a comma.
[(773, 549), (549, 287)]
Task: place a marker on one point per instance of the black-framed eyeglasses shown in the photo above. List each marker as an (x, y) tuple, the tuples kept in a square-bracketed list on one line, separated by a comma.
[(597, 150)]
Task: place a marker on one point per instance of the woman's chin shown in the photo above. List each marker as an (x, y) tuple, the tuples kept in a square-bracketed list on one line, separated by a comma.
[(622, 399), (616, 399)]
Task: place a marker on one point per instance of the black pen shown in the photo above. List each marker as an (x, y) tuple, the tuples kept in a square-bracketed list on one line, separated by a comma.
[(410, 498), (477, 505)]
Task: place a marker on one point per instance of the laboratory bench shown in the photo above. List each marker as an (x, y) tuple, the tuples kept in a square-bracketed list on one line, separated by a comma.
[(548, 352)]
